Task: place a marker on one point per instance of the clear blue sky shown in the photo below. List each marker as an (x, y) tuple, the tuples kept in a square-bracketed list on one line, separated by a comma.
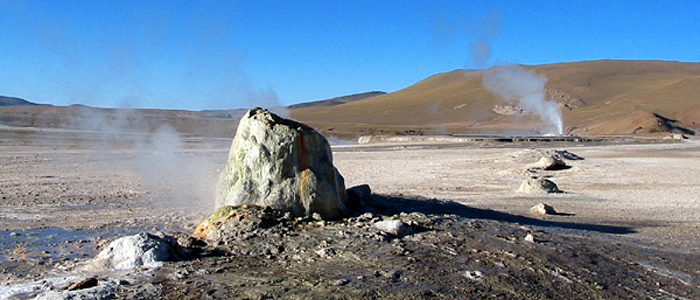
[(230, 54)]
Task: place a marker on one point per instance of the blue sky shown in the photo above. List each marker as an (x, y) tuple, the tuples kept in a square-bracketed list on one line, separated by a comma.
[(232, 54)]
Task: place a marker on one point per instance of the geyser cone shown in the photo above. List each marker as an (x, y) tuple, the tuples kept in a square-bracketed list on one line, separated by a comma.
[(282, 164)]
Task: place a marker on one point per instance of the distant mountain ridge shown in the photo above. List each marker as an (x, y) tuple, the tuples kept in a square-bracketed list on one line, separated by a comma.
[(599, 97), (8, 101), (602, 97), (17, 112)]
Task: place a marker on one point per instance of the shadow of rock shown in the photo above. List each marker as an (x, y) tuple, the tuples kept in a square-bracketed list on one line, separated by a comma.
[(391, 205)]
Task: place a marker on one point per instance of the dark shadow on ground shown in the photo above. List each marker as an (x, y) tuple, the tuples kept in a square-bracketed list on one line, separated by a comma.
[(562, 214), (391, 205)]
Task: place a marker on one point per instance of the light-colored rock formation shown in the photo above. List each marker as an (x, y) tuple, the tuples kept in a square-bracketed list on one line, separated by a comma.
[(282, 164), (543, 209), (394, 227), (550, 162), (537, 185), (141, 250)]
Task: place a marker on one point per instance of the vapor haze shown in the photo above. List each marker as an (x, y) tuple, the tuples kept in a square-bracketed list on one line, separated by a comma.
[(485, 31), (525, 88)]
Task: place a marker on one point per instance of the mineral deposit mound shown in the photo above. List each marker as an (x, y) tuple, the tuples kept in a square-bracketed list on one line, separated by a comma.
[(282, 164)]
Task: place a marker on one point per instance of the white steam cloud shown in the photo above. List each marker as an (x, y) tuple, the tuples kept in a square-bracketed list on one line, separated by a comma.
[(514, 84), (163, 163)]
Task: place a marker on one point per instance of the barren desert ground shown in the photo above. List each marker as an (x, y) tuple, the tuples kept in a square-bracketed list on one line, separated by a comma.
[(65, 194)]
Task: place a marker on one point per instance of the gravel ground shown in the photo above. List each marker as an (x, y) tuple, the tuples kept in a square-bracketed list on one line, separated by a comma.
[(627, 226)]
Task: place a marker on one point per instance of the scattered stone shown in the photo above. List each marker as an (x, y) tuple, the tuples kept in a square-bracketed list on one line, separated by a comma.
[(367, 217), (530, 238), (543, 209), (358, 196), (387, 273), (83, 284), (677, 136), (242, 218), (474, 275), (282, 164), (325, 252), (341, 282), (394, 227), (550, 162), (565, 154), (537, 185), (141, 250)]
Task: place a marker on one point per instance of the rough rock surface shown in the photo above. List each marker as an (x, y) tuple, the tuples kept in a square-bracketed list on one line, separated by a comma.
[(394, 227), (231, 220), (550, 162), (282, 164), (141, 250), (542, 209), (538, 185)]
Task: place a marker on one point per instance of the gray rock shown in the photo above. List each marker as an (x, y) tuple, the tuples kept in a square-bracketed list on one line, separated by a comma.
[(474, 275), (106, 290), (394, 227), (677, 136), (282, 164), (550, 162), (530, 238), (141, 250), (537, 185), (358, 196), (543, 209)]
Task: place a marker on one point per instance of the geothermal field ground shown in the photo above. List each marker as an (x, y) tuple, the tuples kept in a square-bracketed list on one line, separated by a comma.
[(626, 225)]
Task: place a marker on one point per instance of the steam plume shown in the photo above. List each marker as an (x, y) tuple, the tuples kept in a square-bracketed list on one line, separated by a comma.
[(514, 84), (485, 31)]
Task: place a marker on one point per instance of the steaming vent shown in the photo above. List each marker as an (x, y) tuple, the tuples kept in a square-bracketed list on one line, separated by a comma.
[(516, 85)]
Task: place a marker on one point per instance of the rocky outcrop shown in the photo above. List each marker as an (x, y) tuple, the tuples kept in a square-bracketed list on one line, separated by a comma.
[(282, 164), (543, 209), (509, 110), (564, 100), (142, 250), (538, 185), (550, 162)]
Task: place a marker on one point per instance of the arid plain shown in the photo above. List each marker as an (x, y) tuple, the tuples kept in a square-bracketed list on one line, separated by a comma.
[(65, 194)]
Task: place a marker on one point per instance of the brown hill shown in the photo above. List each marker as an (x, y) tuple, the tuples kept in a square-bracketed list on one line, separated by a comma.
[(597, 98), (337, 100)]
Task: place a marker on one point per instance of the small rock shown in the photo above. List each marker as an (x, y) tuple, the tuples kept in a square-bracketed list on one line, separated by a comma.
[(325, 252), (83, 284), (543, 209), (535, 185), (474, 275), (341, 281), (358, 196), (14, 234), (394, 227), (366, 217), (388, 273), (551, 162), (141, 250), (530, 238), (677, 136)]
